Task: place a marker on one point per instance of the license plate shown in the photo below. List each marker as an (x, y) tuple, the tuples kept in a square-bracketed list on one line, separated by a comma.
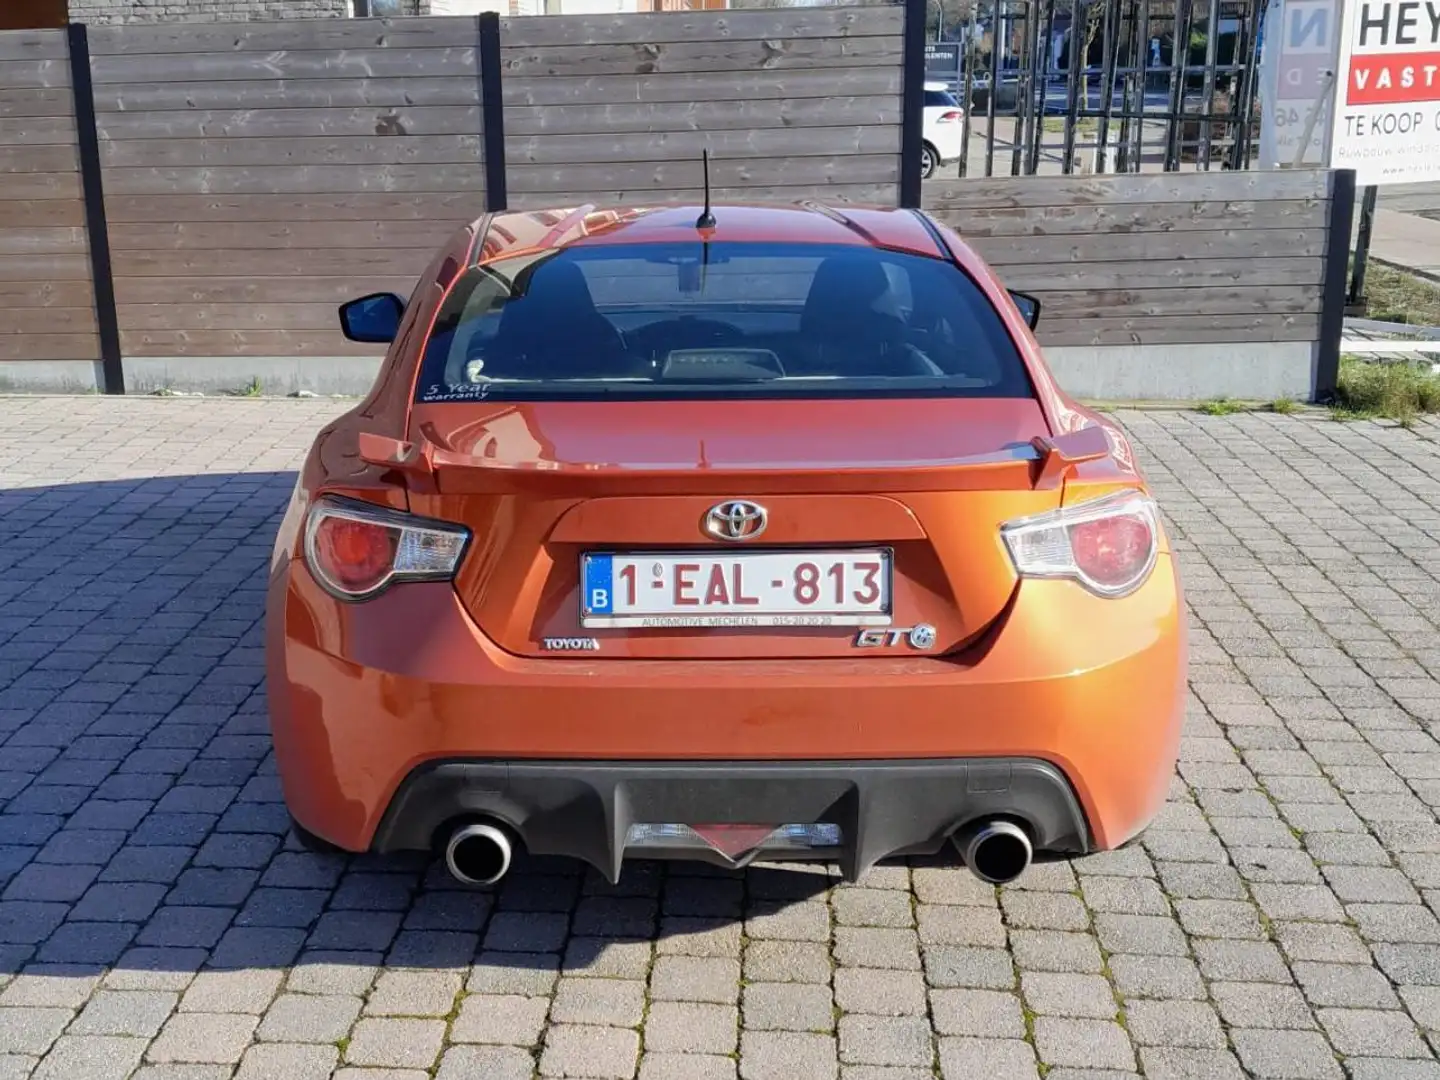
[(756, 588)]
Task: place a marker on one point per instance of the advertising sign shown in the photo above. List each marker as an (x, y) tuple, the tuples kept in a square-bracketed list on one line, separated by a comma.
[(1297, 79), (942, 60), (1387, 107)]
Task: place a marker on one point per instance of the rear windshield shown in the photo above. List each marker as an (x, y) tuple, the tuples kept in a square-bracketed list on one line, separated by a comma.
[(724, 320), (941, 98)]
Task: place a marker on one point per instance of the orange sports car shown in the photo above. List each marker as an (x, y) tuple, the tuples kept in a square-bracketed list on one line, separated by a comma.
[(719, 533)]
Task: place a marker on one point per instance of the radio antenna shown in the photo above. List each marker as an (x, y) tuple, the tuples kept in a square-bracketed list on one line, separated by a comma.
[(706, 220)]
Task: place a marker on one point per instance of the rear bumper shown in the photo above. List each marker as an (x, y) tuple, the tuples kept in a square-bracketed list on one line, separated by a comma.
[(364, 697), (585, 810)]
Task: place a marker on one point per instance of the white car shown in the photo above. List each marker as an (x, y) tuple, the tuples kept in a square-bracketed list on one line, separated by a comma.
[(943, 130)]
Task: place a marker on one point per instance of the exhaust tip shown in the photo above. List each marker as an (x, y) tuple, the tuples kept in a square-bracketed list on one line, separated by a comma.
[(997, 852), (478, 854)]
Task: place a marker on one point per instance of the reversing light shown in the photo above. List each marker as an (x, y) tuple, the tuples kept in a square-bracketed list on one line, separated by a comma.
[(1108, 545), (356, 550)]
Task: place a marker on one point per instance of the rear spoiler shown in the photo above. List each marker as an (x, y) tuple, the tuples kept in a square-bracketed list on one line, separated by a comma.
[(429, 466)]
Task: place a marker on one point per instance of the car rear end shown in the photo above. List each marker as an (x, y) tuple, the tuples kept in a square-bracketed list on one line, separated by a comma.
[(944, 124), (804, 566)]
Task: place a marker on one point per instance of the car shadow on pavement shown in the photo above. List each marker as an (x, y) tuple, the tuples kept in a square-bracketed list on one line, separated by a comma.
[(143, 836)]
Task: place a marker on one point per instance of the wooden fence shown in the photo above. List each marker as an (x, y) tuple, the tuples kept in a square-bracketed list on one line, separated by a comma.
[(47, 302), (257, 175), (1155, 259), (791, 103), (254, 175)]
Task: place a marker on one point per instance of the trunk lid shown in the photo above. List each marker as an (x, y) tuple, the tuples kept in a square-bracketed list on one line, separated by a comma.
[(925, 483)]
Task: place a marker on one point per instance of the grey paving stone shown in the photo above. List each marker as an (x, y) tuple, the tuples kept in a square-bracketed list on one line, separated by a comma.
[(530, 974), (468, 1062), (140, 1013), (413, 1044), (1373, 1033), (790, 961), (1345, 985), (1169, 1063), (604, 1053), (1174, 1023), (414, 993), (982, 968), (695, 978), (896, 950), (200, 927), (788, 1055), (1285, 1055), (1392, 1069), (1146, 934), (691, 1028), (776, 921), (203, 1038), (873, 907), (1321, 942), (987, 1013), (880, 993), (1059, 994), (1126, 895), (91, 1057), (996, 1059), (57, 986), (25, 1030), (505, 1019), (278, 1061), (683, 935), (885, 1040), (1053, 950), (241, 991), (1086, 1043), (309, 1018), (608, 958), (1248, 961), (788, 1007), (606, 1002), (655, 1066)]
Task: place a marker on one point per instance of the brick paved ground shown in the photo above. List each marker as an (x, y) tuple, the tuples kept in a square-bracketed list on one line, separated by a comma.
[(1278, 920)]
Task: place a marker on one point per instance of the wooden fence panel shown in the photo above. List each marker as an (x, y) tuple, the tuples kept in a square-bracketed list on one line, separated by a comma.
[(1154, 259), (792, 104), (258, 174), (47, 303)]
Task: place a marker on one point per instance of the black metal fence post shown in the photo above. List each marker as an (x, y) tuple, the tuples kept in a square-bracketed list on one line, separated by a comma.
[(492, 111), (912, 103), (102, 278), (1337, 273), (1356, 295)]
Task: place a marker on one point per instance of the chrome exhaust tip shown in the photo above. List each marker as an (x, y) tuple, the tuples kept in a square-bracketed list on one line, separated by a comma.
[(997, 852), (478, 854)]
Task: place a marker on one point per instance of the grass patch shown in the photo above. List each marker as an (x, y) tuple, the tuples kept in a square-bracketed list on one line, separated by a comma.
[(1395, 296), (1219, 407), (1284, 406), (1394, 391), (250, 389)]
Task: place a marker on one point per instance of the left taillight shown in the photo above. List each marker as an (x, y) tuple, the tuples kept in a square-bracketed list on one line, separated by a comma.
[(356, 550), (954, 116), (1108, 545)]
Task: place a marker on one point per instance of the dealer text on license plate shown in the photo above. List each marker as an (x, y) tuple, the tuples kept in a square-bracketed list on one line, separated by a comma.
[(756, 588)]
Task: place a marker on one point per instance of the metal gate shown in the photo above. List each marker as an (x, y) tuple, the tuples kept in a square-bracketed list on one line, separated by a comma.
[(1063, 86)]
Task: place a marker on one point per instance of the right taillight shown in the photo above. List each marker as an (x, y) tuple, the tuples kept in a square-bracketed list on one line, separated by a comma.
[(1108, 545), (356, 550)]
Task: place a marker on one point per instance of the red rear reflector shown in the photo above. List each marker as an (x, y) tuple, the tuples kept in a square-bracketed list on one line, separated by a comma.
[(355, 554), (1112, 551), (734, 840)]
